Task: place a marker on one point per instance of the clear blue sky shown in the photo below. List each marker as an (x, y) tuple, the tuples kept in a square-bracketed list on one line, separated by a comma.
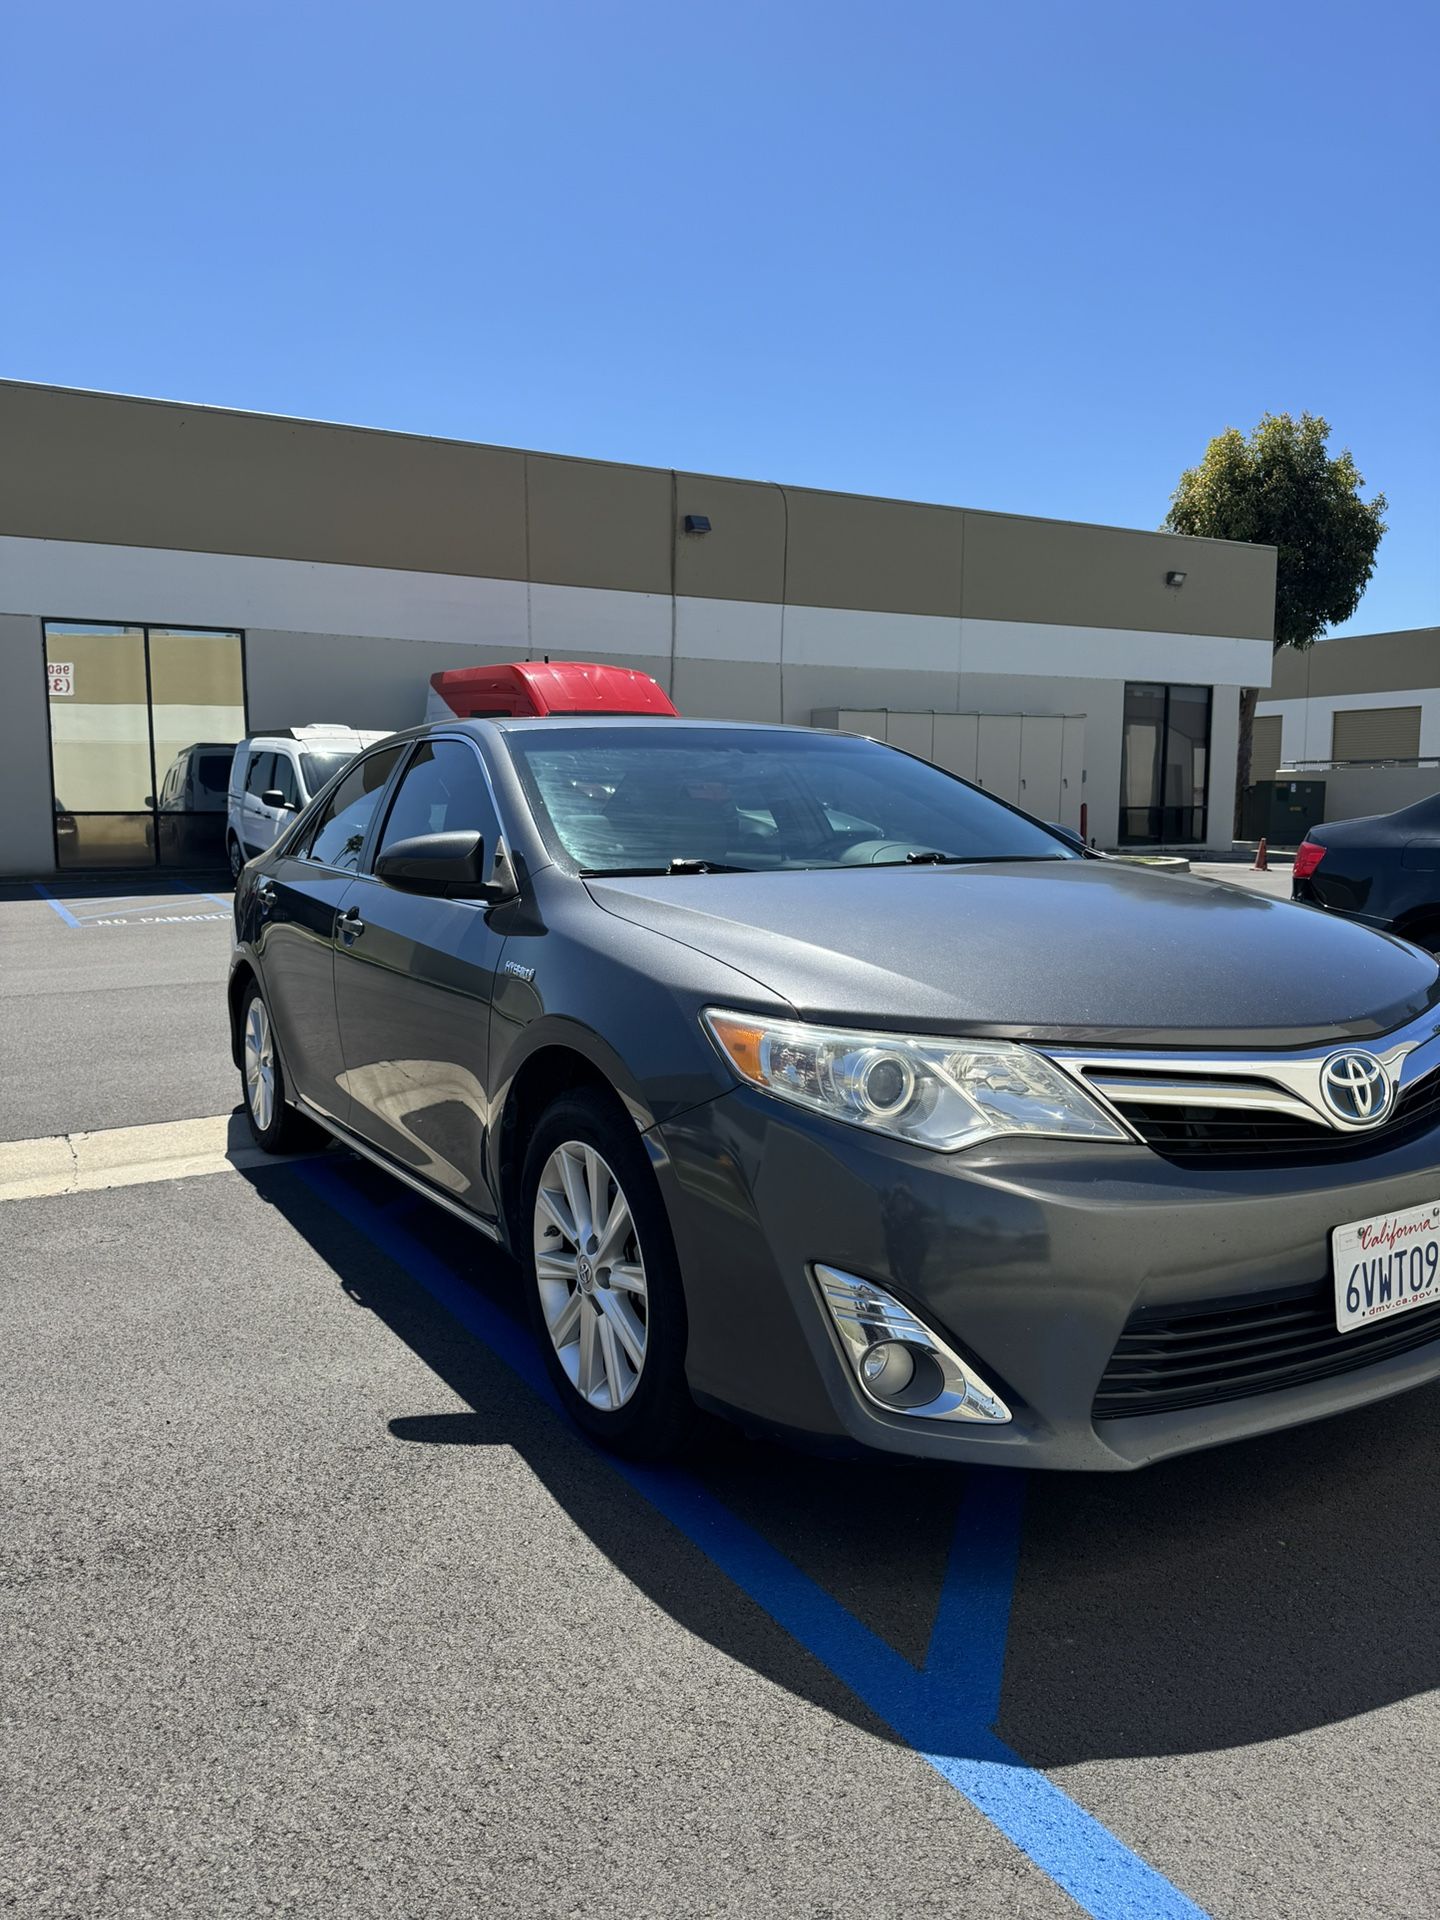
[(1023, 256)]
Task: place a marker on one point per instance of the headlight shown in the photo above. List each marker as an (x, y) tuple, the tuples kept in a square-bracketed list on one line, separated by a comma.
[(937, 1093)]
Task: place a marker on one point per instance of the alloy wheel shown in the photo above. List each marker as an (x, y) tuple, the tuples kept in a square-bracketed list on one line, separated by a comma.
[(590, 1273), (259, 1064)]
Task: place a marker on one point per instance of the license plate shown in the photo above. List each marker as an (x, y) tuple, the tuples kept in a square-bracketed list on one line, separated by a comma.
[(1386, 1266)]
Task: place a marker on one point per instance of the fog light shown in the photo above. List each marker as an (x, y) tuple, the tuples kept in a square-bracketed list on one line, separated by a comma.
[(898, 1362)]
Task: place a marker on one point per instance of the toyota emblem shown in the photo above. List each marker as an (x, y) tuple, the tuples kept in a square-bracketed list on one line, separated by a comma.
[(1356, 1088)]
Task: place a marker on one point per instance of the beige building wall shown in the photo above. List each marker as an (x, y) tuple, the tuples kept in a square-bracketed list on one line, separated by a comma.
[(1360, 663), (1335, 683), (360, 562), (113, 470), (1066, 573)]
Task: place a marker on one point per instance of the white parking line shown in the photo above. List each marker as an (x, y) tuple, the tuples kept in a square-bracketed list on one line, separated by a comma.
[(136, 909), (128, 1157), (147, 903), (150, 920)]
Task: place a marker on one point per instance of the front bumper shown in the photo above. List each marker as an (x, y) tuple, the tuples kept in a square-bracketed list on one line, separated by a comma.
[(1030, 1256)]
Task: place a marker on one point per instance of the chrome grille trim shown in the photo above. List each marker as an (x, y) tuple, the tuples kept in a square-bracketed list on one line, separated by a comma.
[(1155, 1091), (1275, 1080)]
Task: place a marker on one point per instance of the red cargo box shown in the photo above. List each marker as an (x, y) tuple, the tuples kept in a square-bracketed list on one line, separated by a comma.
[(541, 686)]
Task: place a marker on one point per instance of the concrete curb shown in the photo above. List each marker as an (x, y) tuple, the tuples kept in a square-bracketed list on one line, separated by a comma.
[(1156, 862), (129, 1157)]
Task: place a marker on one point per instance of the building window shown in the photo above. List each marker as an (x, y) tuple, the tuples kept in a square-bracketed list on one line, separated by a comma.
[(1164, 764), (143, 723)]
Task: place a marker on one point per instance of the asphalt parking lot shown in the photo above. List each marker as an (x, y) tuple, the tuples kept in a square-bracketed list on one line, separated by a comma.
[(311, 1603)]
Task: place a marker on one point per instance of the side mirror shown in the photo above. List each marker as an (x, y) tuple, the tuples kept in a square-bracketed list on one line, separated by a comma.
[(273, 797), (451, 865), (1068, 833)]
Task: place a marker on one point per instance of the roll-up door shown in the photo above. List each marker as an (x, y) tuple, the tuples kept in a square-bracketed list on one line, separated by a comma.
[(1265, 746), (1376, 733)]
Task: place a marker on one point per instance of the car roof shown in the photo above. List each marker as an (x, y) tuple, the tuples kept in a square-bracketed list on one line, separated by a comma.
[(519, 724), (311, 737), (664, 722)]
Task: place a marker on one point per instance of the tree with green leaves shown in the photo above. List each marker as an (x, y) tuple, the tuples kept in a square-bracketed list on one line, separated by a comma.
[(1282, 488)]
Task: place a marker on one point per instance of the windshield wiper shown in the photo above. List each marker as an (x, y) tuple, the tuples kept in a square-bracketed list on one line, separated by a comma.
[(646, 873), (924, 857), (930, 859)]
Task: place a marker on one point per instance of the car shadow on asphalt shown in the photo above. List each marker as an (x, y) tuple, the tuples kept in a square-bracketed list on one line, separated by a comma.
[(1234, 1596), (501, 1410)]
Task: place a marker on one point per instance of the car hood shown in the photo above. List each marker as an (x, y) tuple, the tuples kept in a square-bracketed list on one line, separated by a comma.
[(1084, 951)]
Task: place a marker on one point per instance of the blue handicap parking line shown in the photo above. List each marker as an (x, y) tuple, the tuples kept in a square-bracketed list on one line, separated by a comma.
[(50, 900), (945, 1710), (136, 907)]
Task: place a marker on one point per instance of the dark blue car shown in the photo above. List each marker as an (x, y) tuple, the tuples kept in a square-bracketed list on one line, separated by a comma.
[(1383, 870)]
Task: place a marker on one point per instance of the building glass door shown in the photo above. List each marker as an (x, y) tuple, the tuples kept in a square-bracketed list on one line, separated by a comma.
[(1164, 764), (143, 723)]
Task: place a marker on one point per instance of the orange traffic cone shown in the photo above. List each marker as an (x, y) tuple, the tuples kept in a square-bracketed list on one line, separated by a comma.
[(1262, 858)]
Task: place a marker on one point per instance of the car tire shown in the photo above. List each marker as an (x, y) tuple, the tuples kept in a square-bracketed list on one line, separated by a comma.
[(599, 1305), (275, 1126), (237, 858)]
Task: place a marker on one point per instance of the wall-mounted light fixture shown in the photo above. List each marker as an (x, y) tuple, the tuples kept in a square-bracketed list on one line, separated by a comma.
[(1174, 579), (697, 523)]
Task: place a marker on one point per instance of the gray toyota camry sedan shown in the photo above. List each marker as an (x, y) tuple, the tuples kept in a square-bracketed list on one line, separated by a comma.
[(811, 1085)]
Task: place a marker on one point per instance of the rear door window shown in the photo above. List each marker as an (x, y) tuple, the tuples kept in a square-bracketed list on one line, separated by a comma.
[(339, 833)]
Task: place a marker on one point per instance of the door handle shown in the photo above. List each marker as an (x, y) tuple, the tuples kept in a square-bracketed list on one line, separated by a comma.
[(349, 925)]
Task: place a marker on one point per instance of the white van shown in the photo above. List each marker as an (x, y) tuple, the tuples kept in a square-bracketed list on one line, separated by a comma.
[(273, 775)]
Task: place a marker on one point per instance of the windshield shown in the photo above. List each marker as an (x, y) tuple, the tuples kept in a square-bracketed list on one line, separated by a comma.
[(641, 800), (318, 767)]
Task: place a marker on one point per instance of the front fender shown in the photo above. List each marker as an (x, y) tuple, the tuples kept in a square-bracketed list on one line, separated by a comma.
[(556, 1030), (623, 999)]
